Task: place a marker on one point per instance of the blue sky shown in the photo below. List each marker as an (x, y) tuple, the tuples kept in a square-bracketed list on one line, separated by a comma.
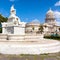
[(29, 10)]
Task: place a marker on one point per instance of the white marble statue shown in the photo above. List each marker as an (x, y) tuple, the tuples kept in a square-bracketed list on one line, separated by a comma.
[(13, 25)]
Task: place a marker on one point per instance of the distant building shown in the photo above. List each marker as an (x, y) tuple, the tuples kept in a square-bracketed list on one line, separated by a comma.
[(50, 25), (32, 27), (15, 26), (50, 18)]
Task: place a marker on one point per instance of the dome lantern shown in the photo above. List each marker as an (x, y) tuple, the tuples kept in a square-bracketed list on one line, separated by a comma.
[(50, 11)]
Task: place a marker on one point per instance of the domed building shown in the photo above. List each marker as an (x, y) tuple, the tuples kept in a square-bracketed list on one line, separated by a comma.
[(50, 18), (32, 26), (50, 22)]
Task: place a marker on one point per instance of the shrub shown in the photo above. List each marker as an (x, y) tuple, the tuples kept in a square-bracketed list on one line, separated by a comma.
[(0, 30), (56, 37)]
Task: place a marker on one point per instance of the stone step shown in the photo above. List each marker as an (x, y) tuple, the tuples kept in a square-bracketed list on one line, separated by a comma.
[(12, 48), (3, 37)]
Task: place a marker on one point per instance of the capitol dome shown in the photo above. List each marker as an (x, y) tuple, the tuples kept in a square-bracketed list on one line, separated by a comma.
[(50, 14), (34, 23), (50, 18)]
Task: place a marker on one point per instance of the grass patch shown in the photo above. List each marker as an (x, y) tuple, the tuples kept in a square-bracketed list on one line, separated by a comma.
[(33, 57)]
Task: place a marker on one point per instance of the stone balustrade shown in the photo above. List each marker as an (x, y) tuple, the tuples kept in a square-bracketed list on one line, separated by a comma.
[(20, 37), (27, 44), (3, 37)]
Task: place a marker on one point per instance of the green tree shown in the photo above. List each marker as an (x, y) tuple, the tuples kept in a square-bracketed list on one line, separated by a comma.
[(2, 19), (32, 28), (0, 30), (41, 28)]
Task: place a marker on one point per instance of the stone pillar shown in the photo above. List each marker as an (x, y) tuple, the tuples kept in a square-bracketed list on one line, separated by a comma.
[(3, 28)]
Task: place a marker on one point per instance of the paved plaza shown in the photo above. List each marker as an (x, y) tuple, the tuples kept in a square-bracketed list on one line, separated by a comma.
[(29, 47)]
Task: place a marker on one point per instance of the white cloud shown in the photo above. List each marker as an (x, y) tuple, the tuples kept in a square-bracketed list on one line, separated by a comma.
[(57, 16), (57, 3)]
